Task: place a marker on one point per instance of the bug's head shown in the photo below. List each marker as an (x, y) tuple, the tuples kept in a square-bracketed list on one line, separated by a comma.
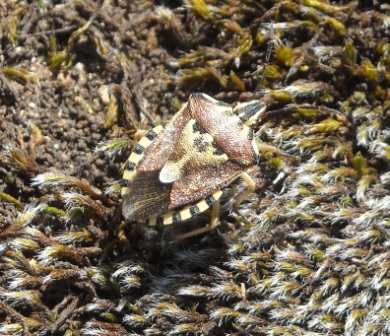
[(251, 112)]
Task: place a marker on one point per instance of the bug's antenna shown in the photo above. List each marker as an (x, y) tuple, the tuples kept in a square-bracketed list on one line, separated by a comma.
[(267, 59)]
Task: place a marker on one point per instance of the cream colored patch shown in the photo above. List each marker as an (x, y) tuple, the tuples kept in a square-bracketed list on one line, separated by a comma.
[(194, 152), (255, 149), (135, 158), (128, 175), (152, 221), (170, 172), (144, 142), (202, 205), (185, 214), (168, 218)]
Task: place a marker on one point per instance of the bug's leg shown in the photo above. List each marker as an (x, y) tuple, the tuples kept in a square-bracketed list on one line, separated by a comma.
[(215, 215), (139, 134), (243, 195), (213, 223)]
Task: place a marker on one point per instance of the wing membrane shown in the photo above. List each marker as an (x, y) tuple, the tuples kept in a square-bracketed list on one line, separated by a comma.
[(201, 184), (145, 197)]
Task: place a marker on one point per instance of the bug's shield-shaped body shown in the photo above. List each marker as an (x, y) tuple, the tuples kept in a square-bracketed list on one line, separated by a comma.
[(178, 171)]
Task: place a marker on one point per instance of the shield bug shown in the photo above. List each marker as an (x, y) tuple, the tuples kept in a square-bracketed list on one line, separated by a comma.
[(178, 171)]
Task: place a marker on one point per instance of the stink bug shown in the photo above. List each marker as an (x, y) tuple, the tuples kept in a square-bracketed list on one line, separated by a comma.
[(179, 171)]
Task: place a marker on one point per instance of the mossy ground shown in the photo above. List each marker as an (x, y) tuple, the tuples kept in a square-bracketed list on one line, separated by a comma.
[(80, 78)]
